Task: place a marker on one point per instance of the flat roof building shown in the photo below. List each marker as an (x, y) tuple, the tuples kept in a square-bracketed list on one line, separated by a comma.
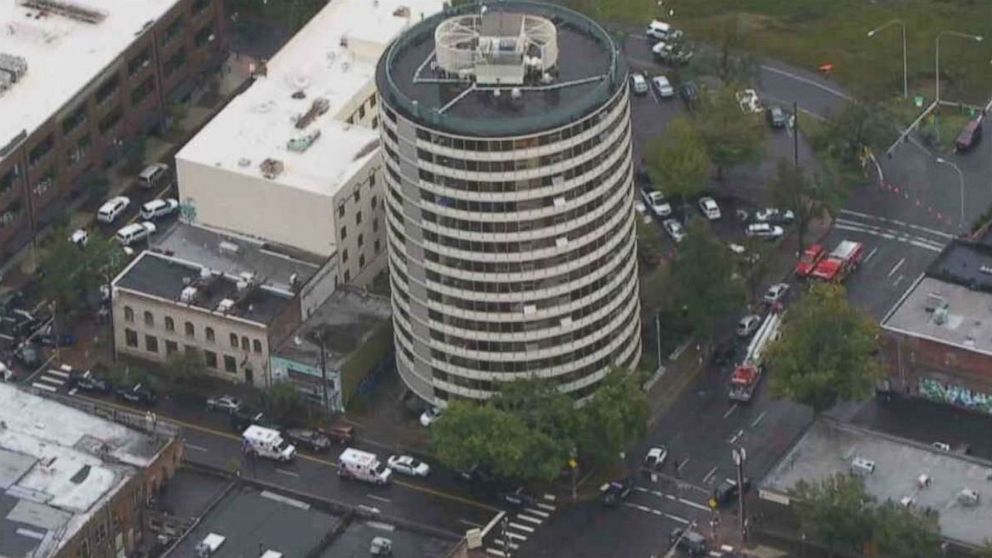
[(506, 137), (902, 471), (79, 80), (74, 484), (939, 334), (295, 159)]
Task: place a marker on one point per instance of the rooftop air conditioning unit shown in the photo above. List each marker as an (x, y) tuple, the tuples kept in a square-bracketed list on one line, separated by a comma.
[(225, 305), (188, 295), (940, 315), (862, 466), (968, 497)]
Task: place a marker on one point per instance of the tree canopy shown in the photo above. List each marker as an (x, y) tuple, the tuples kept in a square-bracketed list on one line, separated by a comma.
[(705, 279), (73, 274), (857, 126), (806, 196), (613, 419), (730, 135), (678, 160), (827, 351)]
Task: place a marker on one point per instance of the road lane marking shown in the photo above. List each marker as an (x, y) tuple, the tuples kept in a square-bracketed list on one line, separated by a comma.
[(921, 228), (773, 99), (871, 254), (381, 526), (760, 418), (893, 235), (325, 462), (709, 475), (287, 473), (896, 267), (378, 498), (657, 493), (545, 507), (469, 523), (516, 536), (735, 437), (808, 81), (696, 505), (529, 519), (652, 511), (730, 411), (196, 447), (495, 552), (538, 513), (524, 528), (898, 280), (501, 542), (550, 497), (285, 500), (679, 468)]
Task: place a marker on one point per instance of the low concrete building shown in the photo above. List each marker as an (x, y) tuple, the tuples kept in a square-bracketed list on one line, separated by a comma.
[(73, 484), (893, 469), (316, 356), (938, 336)]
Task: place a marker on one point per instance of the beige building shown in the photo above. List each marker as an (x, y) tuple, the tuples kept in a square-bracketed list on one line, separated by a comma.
[(295, 159)]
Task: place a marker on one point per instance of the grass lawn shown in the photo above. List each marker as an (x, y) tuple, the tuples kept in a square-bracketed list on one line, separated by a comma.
[(808, 33), (945, 123)]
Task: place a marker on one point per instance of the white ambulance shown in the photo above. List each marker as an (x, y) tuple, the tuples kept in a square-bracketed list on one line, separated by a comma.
[(267, 443), (362, 465)]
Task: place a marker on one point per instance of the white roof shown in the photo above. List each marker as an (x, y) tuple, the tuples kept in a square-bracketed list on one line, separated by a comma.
[(261, 433), (358, 456), (846, 249), (63, 55), (60, 464), (333, 58)]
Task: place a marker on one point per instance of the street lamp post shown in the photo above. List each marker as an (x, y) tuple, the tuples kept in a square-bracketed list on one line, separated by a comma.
[(905, 69), (976, 38), (944, 161), (740, 456)]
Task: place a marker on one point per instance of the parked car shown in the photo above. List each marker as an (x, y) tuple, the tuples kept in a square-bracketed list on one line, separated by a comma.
[(676, 53), (655, 201), (674, 229), (774, 215), (941, 446), (308, 438), (688, 540), (638, 83), (663, 86), (135, 232), (777, 117), (112, 209), (28, 355), (226, 403), (616, 491), (656, 457), (430, 416), (748, 101), (245, 417), (748, 325), (727, 491), (662, 31), (689, 92), (764, 230), (139, 394), (408, 465), (709, 208), (970, 136), (159, 208), (776, 293), (514, 497), (153, 176), (93, 383), (339, 433), (79, 237)]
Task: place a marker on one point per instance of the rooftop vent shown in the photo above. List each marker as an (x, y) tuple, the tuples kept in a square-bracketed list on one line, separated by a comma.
[(940, 315), (71, 10), (12, 69), (934, 301), (228, 246), (225, 305), (923, 481), (188, 295), (301, 144), (319, 106), (271, 168)]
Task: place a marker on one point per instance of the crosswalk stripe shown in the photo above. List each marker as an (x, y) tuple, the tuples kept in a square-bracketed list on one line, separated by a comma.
[(59, 373), (495, 552), (545, 507), (501, 542), (50, 380), (533, 520), (524, 528), (550, 497), (538, 513), (927, 230), (45, 387), (888, 234), (515, 536)]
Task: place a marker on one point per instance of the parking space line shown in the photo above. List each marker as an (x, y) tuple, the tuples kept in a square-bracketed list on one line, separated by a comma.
[(760, 418), (730, 411), (871, 254), (287, 473), (378, 498), (679, 468)]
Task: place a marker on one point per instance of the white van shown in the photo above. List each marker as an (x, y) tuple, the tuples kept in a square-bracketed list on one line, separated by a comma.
[(159, 208), (129, 234), (153, 176), (362, 465), (112, 209), (267, 443), (661, 31)]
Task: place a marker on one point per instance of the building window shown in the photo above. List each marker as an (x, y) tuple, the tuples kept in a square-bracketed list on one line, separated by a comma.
[(190, 329), (372, 181), (374, 201), (377, 246), (230, 363), (151, 343), (347, 275), (344, 256), (361, 240), (149, 318), (361, 112), (171, 347), (209, 332), (358, 218), (128, 314), (344, 233), (358, 195), (257, 345), (361, 261), (234, 340), (170, 324), (375, 122), (341, 210), (210, 358), (131, 337), (375, 225)]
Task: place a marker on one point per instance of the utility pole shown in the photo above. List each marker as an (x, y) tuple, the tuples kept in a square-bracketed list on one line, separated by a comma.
[(795, 133), (740, 456), (657, 325), (323, 369)]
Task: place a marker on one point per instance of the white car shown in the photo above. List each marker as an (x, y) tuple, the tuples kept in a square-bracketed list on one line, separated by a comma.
[(655, 201), (662, 31), (748, 100), (638, 83), (159, 208), (776, 293), (656, 457), (674, 229), (408, 465), (774, 215), (642, 210), (764, 230), (135, 232), (748, 325), (709, 208), (79, 237), (112, 209), (226, 403), (941, 446), (663, 86), (430, 416)]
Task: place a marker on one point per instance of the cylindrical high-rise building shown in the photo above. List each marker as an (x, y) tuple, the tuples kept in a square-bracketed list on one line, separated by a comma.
[(506, 140)]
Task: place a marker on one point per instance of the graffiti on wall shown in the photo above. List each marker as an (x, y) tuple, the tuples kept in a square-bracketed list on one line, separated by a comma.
[(956, 395)]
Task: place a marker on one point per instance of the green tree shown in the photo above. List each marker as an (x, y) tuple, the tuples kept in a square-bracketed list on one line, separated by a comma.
[(986, 550), (731, 136), (731, 61), (901, 532), (649, 244), (837, 511), (753, 264), (857, 126), (807, 197), (186, 367), (613, 419), (73, 274), (541, 406), (678, 160), (704, 279), (284, 402), (826, 352)]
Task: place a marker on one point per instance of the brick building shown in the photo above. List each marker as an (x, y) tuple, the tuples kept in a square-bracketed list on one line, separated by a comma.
[(938, 337), (79, 81), (75, 485)]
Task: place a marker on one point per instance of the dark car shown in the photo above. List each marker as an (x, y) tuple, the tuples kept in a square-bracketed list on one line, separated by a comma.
[(245, 417), (138, 394), (727, 491), (308, 438), (95, 383), (688, 540), (340, 433), (28, 355), (970, 136), (777, 117), (617, 491), (689, 92), (516, 498)]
